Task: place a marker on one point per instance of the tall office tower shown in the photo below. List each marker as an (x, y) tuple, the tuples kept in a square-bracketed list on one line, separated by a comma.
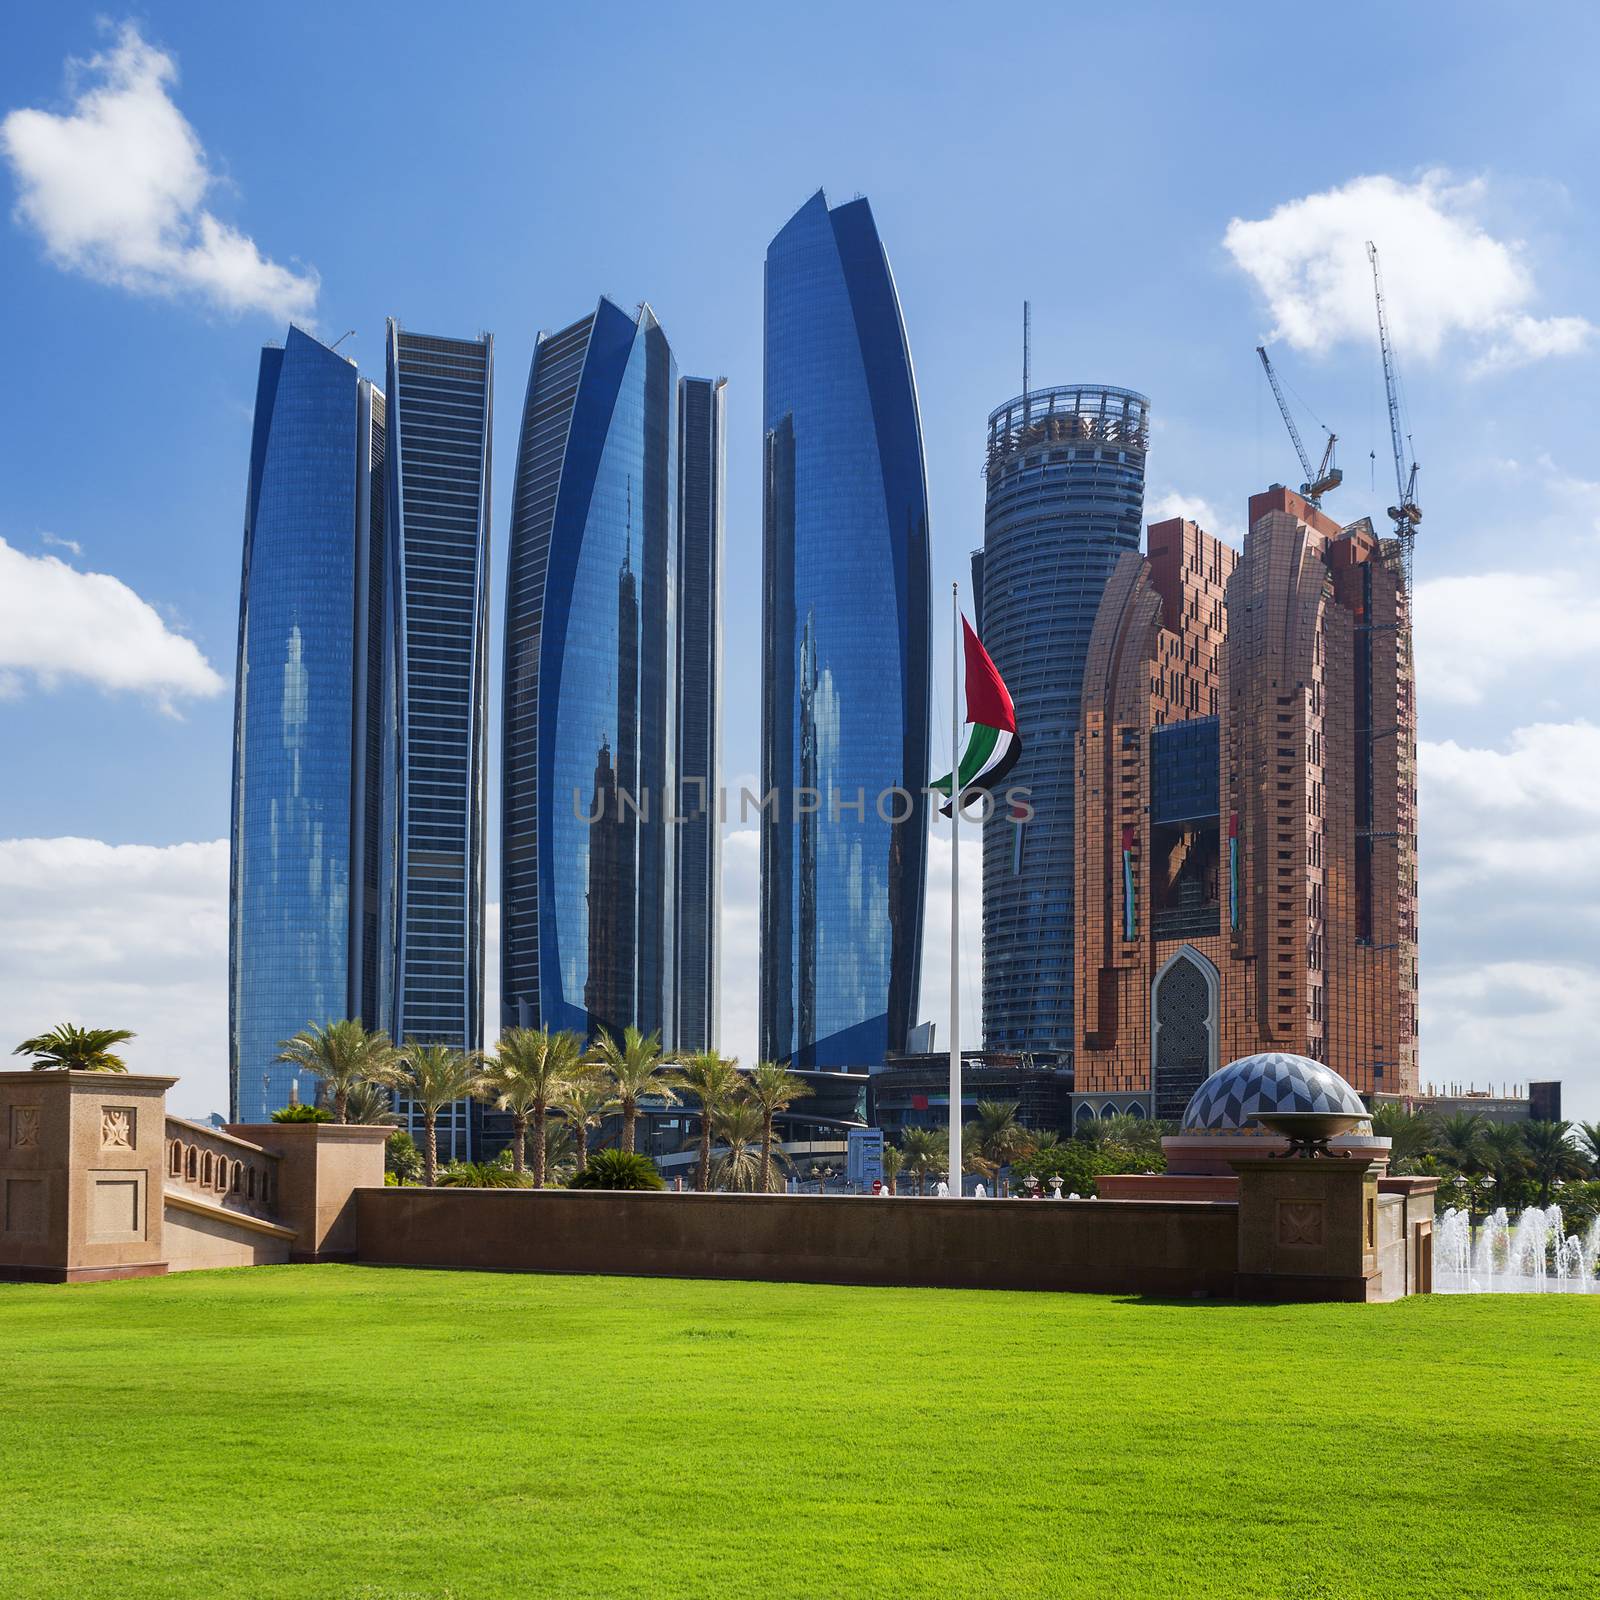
[(702, 436), (305, 856), (845, 677), (1065, 498), (1247, 812), (440, 413), (610, 687)]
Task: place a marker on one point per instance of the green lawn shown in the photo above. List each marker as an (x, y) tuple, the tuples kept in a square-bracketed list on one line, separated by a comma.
[(333, 1431)]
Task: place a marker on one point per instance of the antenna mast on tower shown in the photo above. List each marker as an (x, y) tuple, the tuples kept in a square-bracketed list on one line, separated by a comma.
[(1027, 317)]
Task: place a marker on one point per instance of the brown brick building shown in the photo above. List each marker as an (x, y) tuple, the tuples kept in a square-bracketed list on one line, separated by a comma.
[(1246, 811)]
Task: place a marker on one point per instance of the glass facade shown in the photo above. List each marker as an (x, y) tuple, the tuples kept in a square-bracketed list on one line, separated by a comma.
[(610, 654), (845, 678), (440, 414), (702, 437), (1065, 498), (304, 886)]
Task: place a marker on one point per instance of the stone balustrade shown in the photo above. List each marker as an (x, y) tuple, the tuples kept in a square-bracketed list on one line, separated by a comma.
[(227, 1171)]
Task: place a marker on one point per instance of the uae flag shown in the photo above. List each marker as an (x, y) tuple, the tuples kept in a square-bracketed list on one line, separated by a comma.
[(994, 744)]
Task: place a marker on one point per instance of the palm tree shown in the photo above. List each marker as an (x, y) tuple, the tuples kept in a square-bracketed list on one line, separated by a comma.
[(544, 1062), (560, 1153), (1505, 1155), (1411, 1134), (584, 1103), (745, 1166), (633, 1069), (925, 1153), (713, 1080), (770, 1087), (342, 1054), (431, 1077), (893, 1161), (1552, 1156), (370, 1105), (508, 1087), (1137, 1137), (1589, 1133), (1460, 1141), (995, 1137), (67, 1048)]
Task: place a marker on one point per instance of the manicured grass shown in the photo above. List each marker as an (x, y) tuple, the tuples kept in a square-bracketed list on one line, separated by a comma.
[(331, 1431)]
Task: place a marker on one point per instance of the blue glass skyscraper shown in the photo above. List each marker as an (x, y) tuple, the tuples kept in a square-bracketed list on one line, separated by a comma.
[(845, 678), (1065, 472), (440, 417), (597, 597), (305, 860), (702, 435)]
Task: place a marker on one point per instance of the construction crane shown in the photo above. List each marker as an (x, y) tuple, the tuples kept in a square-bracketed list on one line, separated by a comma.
[(1407, 514), (1327, 476)]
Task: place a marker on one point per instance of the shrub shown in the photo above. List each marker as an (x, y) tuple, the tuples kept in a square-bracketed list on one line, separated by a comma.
[(301, 1114), (483, 1175), (1078, 1164), (1580, 1204), (617, 1169), (402, 1161)]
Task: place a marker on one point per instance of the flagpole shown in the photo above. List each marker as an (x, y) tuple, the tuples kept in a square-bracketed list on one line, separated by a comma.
[(955, 890)]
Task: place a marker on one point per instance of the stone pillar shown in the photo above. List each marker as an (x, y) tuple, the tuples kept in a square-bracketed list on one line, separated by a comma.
[(322, 1165), (1308, 1228), (81, 1181)]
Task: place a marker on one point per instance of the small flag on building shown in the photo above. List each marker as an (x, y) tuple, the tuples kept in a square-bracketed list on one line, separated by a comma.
[(994, 744)]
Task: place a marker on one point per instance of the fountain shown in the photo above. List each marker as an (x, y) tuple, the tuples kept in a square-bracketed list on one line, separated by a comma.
[(1533, 1254)]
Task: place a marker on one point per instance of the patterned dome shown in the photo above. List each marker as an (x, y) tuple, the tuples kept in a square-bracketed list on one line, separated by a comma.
[(1228, 1100)]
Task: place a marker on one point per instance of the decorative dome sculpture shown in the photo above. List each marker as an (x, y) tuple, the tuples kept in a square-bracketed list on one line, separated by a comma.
[(1227, 1102)]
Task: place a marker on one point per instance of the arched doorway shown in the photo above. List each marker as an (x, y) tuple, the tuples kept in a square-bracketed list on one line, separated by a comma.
[(1183, 1030)]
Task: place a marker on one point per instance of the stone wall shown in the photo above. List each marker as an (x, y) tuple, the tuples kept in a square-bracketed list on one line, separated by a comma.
[(321, 1165), (1152, 1247), (80, 1175), (221, 1201)]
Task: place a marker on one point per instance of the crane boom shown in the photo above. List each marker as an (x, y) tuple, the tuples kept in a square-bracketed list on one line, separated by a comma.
[(1406, 514), (1283, 407), (1327, 476)]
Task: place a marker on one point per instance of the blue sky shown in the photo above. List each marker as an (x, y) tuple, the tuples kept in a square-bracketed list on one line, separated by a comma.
[(180, 179)]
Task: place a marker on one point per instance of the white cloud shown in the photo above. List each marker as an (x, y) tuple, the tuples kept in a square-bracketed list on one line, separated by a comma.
[(1509, 1022), (1445, 276), (1474, 631), (124, 936), (116, 189), (55, 540), (57, 622), (1190, 506), (1510, 910)]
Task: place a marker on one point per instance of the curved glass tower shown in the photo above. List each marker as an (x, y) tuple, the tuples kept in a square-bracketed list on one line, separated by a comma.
[(845, 677), (601, 664), (1065, 498), (441, 417), (304, 891)]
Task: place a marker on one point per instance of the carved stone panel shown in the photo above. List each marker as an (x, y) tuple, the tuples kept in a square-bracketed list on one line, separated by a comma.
[(1300, 1224), (24, 1127), (117, 1130)]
